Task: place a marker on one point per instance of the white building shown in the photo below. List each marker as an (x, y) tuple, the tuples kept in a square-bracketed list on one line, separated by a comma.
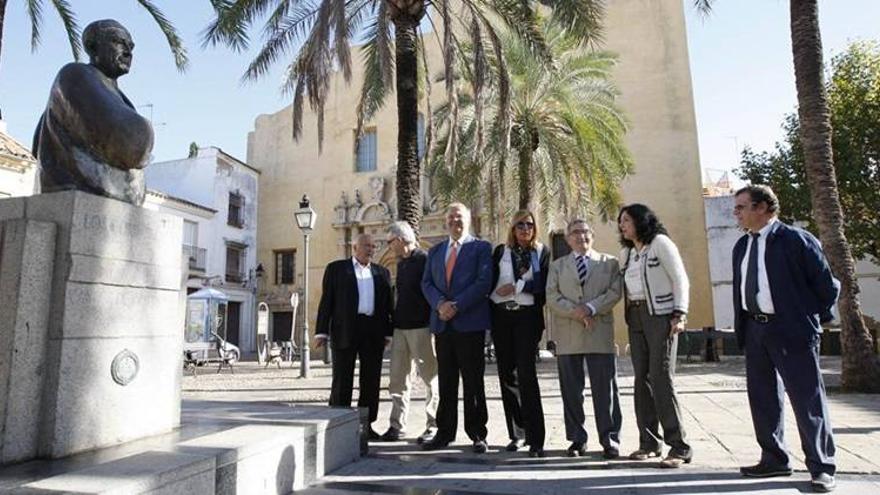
[(216, 195), (723, 233), (18, 168)]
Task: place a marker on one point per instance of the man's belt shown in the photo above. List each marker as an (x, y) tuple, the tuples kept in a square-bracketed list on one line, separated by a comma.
[(761, 317), (514, 306)]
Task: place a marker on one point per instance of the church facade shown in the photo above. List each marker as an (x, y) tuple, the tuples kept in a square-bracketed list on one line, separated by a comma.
[(354, 193)]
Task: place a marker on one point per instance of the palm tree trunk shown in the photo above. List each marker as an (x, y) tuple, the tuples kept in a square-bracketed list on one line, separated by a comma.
[(408, 190), (861, 366), (524, 169)]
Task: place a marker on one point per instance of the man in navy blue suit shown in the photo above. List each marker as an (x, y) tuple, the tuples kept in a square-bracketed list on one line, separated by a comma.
[(456, 283), (782, 290)]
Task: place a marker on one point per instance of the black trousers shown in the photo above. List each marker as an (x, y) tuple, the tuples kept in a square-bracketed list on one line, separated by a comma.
[(461, 354), (368, 347), (516, 335), (772, 369)]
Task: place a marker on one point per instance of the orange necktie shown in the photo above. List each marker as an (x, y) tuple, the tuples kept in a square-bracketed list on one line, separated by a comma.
[(450, 263)]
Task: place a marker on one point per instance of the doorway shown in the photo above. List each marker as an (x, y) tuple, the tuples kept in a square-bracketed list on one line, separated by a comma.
[(233, 322)]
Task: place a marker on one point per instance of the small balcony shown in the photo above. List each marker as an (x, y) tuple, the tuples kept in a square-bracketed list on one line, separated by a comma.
[(235, 276), (197, 257)]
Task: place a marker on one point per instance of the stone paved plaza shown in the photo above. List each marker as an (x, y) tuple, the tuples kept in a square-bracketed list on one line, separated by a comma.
[(714, 404)]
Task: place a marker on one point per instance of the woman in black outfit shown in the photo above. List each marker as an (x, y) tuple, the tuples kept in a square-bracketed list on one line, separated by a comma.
[(519, 278)]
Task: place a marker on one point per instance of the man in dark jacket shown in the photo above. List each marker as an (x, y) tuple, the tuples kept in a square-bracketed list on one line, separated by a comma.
[(413, 342), (355, 316), (782, 290)]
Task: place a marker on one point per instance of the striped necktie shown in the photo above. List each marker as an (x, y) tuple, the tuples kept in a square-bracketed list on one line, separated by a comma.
[(582, 268)]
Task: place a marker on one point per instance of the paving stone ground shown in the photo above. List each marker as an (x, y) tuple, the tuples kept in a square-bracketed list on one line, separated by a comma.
[(716, 418)]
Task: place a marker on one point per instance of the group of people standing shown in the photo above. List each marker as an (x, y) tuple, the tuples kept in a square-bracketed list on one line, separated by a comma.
[(447, 298)]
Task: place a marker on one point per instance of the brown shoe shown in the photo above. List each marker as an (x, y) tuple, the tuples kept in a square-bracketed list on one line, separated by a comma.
[(643, 455), (674, 461)]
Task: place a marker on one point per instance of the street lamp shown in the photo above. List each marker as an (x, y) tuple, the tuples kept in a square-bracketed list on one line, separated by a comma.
[(305, 219)]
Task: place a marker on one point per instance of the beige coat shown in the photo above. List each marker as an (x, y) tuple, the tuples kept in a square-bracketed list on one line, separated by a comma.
[(602, 290)]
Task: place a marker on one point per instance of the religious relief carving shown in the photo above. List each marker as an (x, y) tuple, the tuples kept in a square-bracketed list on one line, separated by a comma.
[(341, 209), (377, 186)]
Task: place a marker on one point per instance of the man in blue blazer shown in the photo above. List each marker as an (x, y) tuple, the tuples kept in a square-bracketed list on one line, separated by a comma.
[(456, 283), (782, 290)]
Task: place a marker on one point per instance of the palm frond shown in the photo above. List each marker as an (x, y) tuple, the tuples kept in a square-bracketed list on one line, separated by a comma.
[(287, 32), (429, 113), (580, 19), (71, 28), (378, 69), (35, 14), (174, 42), (703, 6)]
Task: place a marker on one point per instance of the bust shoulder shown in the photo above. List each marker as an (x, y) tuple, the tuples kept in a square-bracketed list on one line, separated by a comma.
[(75, 72)]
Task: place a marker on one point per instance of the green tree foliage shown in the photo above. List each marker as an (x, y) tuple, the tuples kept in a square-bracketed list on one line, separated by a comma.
[(318, 34), (566, 151), (854, 97)]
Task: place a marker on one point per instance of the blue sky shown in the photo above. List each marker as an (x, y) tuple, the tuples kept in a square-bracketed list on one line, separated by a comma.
[(740, 64)]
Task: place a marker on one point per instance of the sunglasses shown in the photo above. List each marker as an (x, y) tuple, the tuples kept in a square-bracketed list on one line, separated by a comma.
[(525, 225)]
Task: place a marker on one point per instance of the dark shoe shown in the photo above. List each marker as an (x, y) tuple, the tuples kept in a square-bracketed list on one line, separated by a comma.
[(536, 452), (674, 461), (435, 444), (822, 482), (480, 446), (611, 453), (372, 436), (514, 445), (392, 435), (426, 436), (576, 449), (643, 455), (764, 471)]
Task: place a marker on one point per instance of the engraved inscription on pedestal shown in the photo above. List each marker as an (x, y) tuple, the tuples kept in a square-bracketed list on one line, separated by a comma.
[(125, 367)]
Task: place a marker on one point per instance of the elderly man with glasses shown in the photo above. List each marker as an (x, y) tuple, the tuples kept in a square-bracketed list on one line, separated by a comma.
[(412, 342), (582, 290)]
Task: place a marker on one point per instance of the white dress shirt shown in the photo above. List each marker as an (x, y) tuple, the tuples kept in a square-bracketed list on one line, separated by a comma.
[(765, 299), (366, 291)]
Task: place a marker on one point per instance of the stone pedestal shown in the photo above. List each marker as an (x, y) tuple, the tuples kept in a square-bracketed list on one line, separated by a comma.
[(91, 322)]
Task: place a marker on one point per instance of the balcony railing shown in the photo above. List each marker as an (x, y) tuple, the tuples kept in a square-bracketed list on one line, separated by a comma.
[(197, 257), (235, 276)]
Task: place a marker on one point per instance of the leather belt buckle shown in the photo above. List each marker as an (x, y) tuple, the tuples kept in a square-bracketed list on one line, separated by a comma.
[(761, 317), (512, 306)]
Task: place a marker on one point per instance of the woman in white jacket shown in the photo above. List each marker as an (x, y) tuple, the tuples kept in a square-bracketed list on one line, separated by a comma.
[(656, 298)]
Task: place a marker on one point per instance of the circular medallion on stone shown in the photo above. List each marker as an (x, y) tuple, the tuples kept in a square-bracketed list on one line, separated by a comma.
[(125, 367)]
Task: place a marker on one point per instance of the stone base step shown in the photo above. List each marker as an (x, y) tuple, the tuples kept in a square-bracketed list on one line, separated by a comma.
[(222, 448)]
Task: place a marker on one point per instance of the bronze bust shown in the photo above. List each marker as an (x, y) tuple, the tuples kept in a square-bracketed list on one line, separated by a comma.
[(91, 138)]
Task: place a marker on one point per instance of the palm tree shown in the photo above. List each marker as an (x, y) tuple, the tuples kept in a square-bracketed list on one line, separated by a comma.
[(861, 365), (324, 30), (71, 26), (566, 133)]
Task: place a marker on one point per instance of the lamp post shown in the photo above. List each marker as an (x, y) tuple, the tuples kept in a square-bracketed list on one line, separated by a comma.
[(305, 219)]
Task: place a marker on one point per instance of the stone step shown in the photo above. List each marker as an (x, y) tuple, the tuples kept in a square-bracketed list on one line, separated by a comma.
[(222, 448)]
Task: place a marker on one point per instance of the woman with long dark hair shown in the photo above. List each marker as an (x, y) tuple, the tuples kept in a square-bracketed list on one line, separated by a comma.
[(656, 298), (519, 279)]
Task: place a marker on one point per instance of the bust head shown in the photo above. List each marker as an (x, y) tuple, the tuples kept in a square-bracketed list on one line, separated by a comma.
[(109, 46)]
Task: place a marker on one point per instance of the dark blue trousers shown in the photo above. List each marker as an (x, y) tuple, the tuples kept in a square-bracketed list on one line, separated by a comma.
[(773, 368)]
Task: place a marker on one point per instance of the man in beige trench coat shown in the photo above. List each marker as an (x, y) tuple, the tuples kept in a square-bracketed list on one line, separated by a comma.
[(582, 289)]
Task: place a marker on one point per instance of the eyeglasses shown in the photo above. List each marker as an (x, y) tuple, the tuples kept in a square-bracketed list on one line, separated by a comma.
[(525, 225)]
